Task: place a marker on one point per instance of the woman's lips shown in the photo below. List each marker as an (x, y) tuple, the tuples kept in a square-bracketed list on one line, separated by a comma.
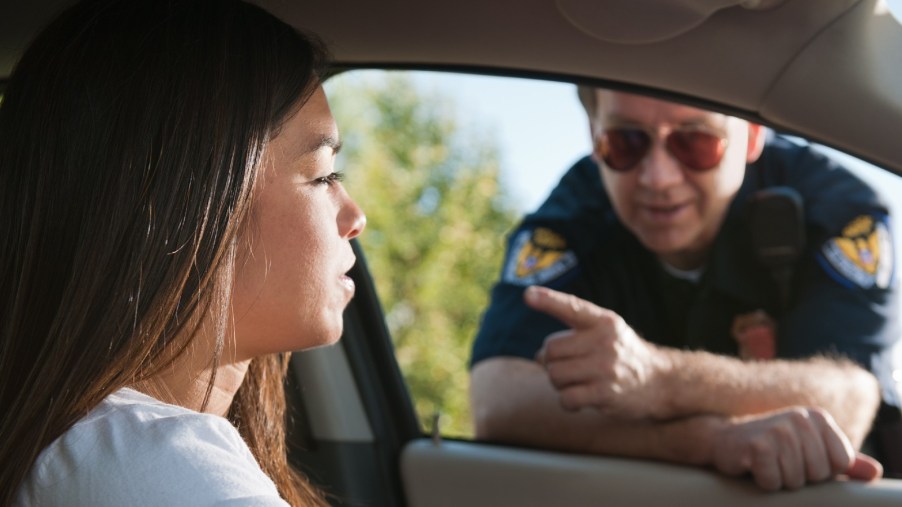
[(347, 283)]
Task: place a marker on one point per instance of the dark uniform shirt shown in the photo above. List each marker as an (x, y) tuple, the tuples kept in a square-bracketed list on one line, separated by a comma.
[(843, 295)]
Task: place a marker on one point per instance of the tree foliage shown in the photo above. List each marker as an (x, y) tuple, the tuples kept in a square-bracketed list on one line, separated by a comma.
[(436, 221)]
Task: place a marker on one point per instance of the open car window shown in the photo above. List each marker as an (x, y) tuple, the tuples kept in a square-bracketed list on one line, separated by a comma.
[(445, 165)]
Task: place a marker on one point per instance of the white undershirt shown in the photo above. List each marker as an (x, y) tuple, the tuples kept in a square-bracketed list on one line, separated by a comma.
[(690, 275)]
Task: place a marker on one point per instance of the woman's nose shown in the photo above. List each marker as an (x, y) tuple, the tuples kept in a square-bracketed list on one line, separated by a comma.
[(352, 220)]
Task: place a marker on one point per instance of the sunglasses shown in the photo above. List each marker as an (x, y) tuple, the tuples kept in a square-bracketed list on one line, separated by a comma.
[(622, 148)]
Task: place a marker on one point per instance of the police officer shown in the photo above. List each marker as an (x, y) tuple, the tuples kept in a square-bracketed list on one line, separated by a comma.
[(637, 290)]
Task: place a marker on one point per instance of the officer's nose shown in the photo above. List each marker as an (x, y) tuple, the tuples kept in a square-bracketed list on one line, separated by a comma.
[(659, 170)]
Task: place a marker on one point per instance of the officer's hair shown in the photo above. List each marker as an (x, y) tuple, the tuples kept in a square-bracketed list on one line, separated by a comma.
[(588, 98)]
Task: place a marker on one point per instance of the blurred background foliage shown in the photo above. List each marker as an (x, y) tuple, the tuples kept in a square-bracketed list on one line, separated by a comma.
[(437, 218)]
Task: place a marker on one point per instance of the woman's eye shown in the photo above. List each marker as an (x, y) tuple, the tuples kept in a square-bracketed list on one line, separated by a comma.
[(330, 179)]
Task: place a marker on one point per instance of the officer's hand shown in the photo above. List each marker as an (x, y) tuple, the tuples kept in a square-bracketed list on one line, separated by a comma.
[(600, 362), (788, 449)]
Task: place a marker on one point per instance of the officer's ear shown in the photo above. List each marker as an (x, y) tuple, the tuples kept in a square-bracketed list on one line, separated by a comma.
[(757, 135), (593, 129)]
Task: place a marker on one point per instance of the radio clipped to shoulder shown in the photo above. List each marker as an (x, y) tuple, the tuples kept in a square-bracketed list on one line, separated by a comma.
[(776, 221)]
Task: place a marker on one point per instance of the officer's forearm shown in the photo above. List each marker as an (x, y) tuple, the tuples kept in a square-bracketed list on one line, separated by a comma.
[(704, 383), (513, 402)]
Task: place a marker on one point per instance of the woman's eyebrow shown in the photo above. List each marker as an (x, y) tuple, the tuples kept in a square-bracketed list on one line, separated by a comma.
[(326, 141)]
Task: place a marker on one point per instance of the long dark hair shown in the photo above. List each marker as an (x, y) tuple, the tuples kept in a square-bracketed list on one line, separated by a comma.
[(130, 137)]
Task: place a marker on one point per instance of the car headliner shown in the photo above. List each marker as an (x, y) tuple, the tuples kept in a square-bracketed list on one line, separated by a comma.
[(826, 70)]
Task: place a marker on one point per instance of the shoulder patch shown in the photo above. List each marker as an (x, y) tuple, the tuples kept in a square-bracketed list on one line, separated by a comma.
[(862, 255), (537, 256)]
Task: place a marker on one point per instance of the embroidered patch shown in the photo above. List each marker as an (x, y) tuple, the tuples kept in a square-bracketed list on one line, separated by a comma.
[(537, 256), (862, 254)]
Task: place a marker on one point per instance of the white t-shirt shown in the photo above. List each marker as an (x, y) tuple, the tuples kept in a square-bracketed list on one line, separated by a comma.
[(136, 450)]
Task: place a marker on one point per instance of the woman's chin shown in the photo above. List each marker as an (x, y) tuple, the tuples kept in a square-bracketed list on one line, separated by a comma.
[(326, 337)]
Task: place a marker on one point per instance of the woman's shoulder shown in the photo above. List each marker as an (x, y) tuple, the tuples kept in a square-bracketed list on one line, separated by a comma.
[(128, 415), (134, 449)]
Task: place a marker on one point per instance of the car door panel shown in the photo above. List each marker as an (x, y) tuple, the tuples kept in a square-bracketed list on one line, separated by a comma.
[(454, 473)]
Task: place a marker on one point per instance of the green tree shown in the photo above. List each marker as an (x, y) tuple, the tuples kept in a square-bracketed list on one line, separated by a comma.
[(436, 221)]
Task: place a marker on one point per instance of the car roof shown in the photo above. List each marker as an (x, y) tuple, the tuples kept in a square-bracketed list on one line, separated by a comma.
[(825, 70)]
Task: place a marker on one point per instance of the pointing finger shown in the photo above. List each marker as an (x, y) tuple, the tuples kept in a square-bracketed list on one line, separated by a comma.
[(574, 312)]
